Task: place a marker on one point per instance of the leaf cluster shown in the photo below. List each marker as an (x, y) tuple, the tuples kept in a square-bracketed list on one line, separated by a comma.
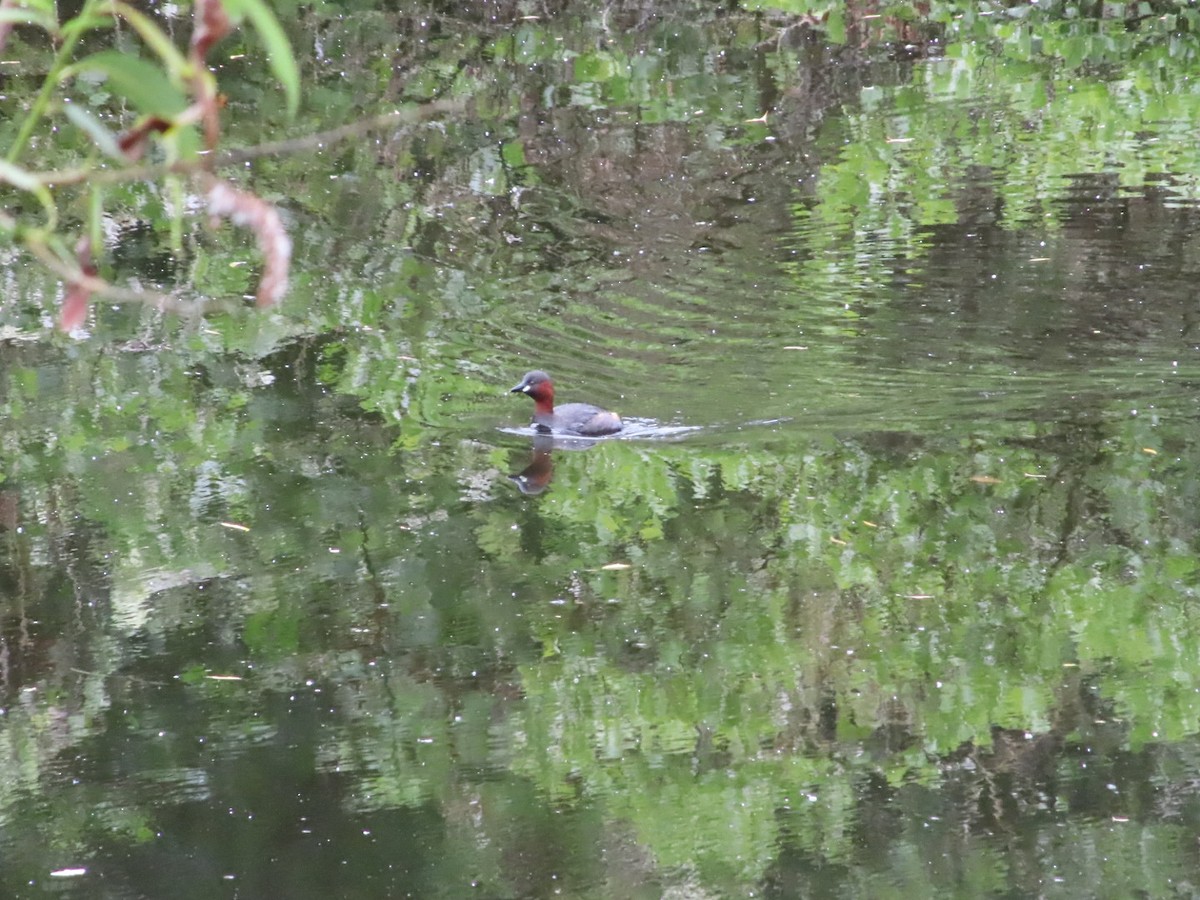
[(164, 100)]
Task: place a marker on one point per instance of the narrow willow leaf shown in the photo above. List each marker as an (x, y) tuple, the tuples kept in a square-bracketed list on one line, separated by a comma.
[(104, 139), (157, 41), (178, 204), (186, 143), (140, 82), (19, 178), (44, 20), (279, 49), (24, 180), (85, 22), (96, 215)]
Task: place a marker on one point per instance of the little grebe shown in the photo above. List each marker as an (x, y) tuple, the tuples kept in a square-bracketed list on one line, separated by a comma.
[(570, 418)]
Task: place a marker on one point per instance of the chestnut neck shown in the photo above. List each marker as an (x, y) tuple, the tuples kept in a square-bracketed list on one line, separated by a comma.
[(543, 397)]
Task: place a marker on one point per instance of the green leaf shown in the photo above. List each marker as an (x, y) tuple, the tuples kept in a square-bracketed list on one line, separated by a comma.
[(157, 41), (24, 180), (96, 215), (104, 139), (185, 142), (140, 82), (19, 178), (18, 16), (279, 49), (49, 7)]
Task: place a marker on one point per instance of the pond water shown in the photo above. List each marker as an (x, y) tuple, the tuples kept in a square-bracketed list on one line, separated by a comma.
[(887, 590)]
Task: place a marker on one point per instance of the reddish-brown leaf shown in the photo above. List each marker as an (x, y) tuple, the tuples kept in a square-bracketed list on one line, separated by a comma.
[(133, 141), (212, 24), (75, 303), (5, 27), (248, 211), (74, 307)]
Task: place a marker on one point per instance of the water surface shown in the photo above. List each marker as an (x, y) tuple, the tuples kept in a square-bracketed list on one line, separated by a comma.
[(889, 590)]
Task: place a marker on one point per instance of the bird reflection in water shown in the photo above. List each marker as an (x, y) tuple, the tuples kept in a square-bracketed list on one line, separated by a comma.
[(535, 477)]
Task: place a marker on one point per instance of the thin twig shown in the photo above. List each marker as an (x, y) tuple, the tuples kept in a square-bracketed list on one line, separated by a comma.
[(72, 274), (6, 27), (209, 162), (41, 102)]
